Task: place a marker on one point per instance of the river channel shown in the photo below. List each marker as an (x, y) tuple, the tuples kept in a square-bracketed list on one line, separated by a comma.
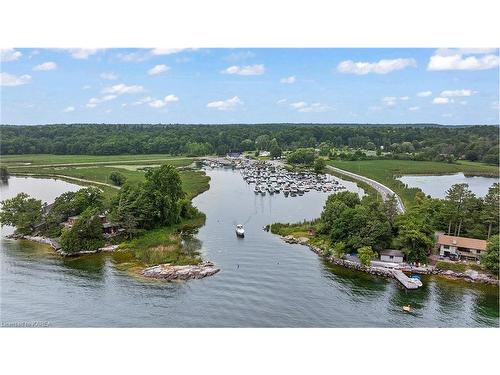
[(263, 281)]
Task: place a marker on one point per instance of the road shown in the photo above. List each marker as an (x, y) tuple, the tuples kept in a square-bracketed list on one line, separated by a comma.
[(383, 190)]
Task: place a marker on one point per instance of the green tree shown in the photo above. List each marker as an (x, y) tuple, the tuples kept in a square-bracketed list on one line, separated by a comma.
[(85, 235), (22, 211), (275, 149), (319, 165), (459, 199), (391, 209), (4, 174), (366, 254), (117, 178), (491, 259), (415, 238), (163, 187), (491, 208), (262, 142), (339, 249)]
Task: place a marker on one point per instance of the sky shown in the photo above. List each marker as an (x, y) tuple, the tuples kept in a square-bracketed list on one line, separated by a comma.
[(445, 86)]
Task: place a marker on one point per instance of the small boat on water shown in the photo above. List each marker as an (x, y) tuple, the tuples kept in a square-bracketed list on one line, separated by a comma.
[(407, 308), (240, 231)]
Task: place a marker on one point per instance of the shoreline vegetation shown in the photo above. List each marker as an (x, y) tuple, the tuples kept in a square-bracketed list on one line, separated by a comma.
[(139, 249), (300, 233)]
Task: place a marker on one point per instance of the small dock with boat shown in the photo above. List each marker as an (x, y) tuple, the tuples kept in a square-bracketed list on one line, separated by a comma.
[(408, 282)]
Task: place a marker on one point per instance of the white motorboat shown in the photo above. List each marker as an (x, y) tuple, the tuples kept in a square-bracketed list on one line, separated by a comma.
[(240, 231)]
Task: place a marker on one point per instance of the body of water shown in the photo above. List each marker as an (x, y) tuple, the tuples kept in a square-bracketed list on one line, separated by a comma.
[(263, 281), (436, 186)]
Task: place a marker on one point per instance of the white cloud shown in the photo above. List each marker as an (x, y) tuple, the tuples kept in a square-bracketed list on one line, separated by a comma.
[(49, 65), (289, 80), (7, 79), (9, 54), (226, 105), (375, 108), (83, 53), (159, 103), (381, 67), (441, 100), (133, 56), (123, 89), (423, 94), (239, 56), (166, 51), (247, 70), (108, 76), (281, 101), (452, 93), (413, 109), (93, 102), (158, 69), (389, 100), (463, 59), (404, 98), (69, 109), (86, 87), (447, 115), (146, 99), (305, 107)]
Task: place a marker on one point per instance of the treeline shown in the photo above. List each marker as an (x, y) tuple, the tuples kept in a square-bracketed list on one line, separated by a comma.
[(351, 223), (475, 143)]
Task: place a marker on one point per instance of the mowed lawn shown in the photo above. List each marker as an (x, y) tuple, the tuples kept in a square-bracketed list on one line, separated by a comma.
[(385, 171), (47, 159)]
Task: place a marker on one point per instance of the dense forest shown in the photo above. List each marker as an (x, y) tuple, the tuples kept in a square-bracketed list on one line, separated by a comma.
[(432, 142)]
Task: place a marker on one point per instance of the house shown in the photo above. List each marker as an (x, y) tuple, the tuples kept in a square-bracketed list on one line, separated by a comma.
[(394, 256), (71, 221), (108, 229), (460, 247)]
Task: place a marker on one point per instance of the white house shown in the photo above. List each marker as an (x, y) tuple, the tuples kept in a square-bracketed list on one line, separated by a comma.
[(393, 256)]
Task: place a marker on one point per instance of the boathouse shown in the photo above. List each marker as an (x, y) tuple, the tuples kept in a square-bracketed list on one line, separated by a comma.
[(393, 256), (460, 247)]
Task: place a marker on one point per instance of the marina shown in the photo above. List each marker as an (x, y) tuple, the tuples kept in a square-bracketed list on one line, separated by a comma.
[(272, 178)]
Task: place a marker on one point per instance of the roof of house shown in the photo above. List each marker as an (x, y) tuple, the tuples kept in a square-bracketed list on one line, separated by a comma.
[(470, 243), (394, 253)]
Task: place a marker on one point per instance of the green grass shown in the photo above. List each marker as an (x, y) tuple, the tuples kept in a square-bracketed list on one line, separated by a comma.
[(161, 245), (385, 171), (295, 230), (46, 159)]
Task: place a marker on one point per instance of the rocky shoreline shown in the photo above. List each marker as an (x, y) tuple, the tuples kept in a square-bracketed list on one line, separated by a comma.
[(57, 248), (468, 276), (169, 272)]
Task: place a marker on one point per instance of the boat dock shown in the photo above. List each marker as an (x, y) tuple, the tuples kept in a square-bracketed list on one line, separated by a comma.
[(407, 282)]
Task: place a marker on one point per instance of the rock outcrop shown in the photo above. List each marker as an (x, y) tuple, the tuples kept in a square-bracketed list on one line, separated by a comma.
[(170, 272)]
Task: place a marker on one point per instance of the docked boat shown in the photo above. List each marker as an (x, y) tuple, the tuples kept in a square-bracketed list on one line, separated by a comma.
[(240, 231)]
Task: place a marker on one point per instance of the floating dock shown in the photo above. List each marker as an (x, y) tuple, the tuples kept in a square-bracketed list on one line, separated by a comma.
[(405, 280)]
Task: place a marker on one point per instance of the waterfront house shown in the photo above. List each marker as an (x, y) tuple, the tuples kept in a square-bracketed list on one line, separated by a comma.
[(465, 248), (108, 229), (393, 256)]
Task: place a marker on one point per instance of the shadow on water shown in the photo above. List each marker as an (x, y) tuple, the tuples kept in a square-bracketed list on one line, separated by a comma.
[(86, 266)]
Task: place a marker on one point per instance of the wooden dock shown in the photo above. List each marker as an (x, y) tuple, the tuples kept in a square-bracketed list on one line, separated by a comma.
[(403, 279)]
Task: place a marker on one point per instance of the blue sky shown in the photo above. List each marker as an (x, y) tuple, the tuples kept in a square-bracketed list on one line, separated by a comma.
[(447, 86)]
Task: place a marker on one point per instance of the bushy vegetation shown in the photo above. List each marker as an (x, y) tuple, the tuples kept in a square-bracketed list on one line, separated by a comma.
[(22, 211), (416, 142), (85, 235), (4, 174), (491, 258), (117, 178)]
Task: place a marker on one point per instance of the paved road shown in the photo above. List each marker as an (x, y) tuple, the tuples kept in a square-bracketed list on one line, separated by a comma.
[(383, 190)]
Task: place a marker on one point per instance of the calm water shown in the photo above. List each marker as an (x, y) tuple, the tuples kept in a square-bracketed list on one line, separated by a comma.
[(263, 281), (436, 186)]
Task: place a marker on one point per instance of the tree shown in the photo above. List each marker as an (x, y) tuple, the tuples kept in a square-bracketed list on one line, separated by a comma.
[(415, 238), (85, 235), (491, 258), (275, 149), (459, 199), (319, 165), (491, 208), (391, 209), (303, 156), (4, 174), (339, 249), (22, 211), (117, 178), (163, 187), (262, 142), (365, 255)]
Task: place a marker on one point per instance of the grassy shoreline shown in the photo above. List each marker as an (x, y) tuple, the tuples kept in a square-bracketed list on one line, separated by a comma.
[(386, 172)]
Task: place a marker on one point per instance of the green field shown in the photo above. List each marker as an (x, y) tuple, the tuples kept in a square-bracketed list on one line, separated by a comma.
[(385, 171), (47, 159)]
